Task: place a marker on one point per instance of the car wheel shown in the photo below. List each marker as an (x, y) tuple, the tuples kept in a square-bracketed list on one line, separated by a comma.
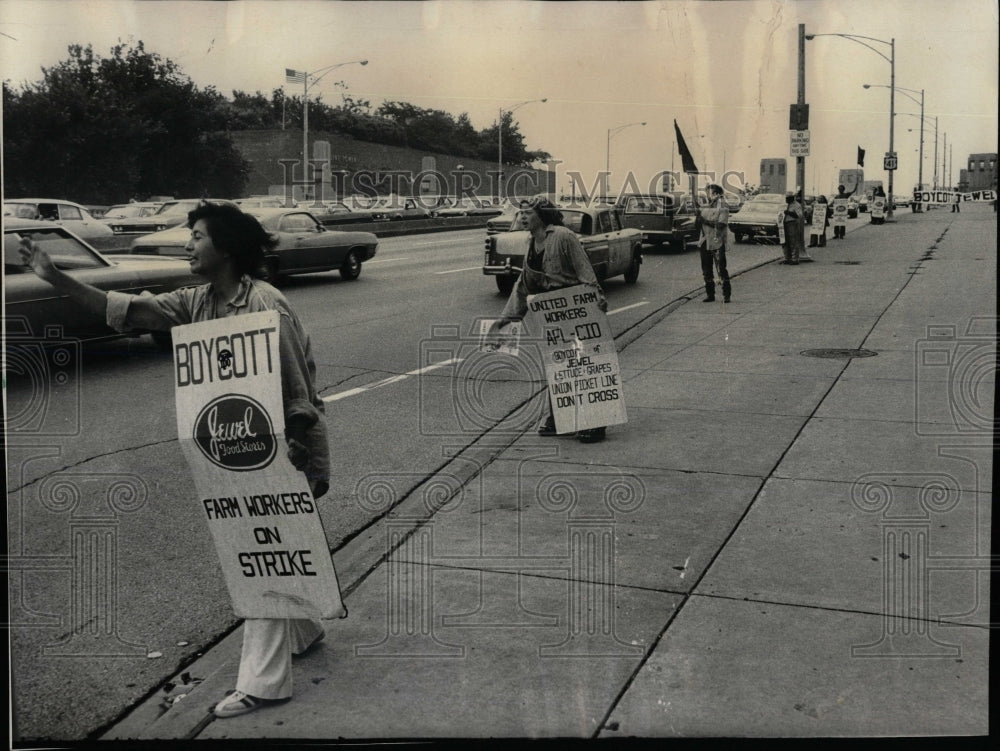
[(352, 266), (738, 236), (505, 284), (271, 274), (632, 272), (163, 339)]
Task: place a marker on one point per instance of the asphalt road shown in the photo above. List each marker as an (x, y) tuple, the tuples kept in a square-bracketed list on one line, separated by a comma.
[(396, 364)]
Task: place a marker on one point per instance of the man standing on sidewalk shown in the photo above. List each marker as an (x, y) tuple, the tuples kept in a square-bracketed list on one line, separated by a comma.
[(795, 223), (714, 221)]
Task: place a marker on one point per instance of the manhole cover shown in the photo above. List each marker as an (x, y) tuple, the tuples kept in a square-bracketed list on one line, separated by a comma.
[(849, 263), (838, 354)]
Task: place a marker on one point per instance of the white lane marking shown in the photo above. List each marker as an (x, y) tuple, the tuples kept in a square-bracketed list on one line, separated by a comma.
[(391, 379), (387, 260), (628, 307), (455, 271), (453, 241)]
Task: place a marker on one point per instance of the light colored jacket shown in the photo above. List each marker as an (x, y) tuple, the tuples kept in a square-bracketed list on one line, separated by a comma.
[(715, 224)]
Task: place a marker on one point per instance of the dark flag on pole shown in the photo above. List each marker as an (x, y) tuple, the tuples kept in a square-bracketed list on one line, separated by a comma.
[(861, 157), (687, 161)]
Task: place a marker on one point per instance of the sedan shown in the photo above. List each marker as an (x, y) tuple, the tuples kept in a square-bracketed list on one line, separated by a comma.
[(758, 217), (45, 316), (170, 214), (67, 214), (304, 245), (116, 216), (469, 207)]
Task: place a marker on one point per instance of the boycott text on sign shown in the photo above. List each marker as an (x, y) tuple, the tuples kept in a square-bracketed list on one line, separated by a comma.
[(581, 363), (948, 196), (263, 518)]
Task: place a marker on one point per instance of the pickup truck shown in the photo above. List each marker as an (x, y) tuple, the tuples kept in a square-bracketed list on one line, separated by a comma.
[(611, 248), (663, 219)]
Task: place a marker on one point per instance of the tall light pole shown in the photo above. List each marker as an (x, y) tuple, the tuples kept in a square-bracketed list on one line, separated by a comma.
[(500, 190), (607, 158), (891, 57), (935, 162), (315, 76), (903, 91)]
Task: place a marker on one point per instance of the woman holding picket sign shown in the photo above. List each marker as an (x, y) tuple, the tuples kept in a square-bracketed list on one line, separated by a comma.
[(227, 248), (555, 259)]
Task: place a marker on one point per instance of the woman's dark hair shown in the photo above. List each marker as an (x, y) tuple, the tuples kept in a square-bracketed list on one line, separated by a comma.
[(236, 233), (546, 211)]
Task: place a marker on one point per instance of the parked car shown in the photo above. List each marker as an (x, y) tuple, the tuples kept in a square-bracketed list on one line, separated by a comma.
[(662, 218), (304, 245), (67, 214), (117, 216), (170, 214), (611, 248), (40, 306), (759, 217), (469, 207), (260, 202)]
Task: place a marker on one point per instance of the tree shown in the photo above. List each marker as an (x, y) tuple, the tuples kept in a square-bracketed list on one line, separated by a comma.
[(100, 130)]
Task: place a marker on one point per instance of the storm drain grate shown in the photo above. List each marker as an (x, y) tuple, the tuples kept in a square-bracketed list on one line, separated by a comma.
[(838, 354)]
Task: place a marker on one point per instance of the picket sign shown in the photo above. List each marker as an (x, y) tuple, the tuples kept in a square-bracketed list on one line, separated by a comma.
[(581, 363), (259, 508)]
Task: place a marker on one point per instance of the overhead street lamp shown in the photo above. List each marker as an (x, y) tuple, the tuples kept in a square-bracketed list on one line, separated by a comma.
[(500, 190), (607, 159), (922, 120), (891, 58), (310, 79)]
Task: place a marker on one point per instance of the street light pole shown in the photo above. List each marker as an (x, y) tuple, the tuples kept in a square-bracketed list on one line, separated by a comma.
[(500, 190), (891, 57), (319, 73), (607, 158), (903, 90)]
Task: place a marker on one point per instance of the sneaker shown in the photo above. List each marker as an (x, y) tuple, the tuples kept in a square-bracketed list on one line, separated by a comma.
[(710, 298), (591, 436), (548, 427), (726, 299), (237, 703)]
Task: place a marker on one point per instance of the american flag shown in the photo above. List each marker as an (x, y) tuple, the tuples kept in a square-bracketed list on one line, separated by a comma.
[(294, 76)]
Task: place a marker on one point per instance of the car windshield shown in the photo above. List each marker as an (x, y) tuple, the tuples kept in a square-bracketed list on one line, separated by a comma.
[(645, 205), (66, 252), (21, 210), (177, 207), (125, 212)]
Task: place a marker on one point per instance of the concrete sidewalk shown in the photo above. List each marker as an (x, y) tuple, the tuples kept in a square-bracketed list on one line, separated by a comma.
[(775, 544)]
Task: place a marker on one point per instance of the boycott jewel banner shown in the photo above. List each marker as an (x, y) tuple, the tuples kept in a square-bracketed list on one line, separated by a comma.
[(949, 196), (262, 516), (581, 363)]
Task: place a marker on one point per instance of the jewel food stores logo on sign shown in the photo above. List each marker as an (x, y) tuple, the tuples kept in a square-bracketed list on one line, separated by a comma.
[(235, 432)]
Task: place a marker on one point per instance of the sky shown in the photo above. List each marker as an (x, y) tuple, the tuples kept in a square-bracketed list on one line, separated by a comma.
[(725, 70)]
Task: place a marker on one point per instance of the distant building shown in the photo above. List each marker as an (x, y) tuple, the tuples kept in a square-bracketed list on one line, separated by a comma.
[(982, 172), (773, 175)]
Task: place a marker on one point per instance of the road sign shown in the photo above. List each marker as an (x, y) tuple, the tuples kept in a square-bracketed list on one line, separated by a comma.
[(798, 117), (799, 143), (890, 161)]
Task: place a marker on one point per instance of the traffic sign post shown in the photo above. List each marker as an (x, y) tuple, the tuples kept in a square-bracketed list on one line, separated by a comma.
[(799, 143)]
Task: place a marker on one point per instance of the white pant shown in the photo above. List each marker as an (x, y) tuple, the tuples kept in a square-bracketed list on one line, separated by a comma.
[(268, 646)]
